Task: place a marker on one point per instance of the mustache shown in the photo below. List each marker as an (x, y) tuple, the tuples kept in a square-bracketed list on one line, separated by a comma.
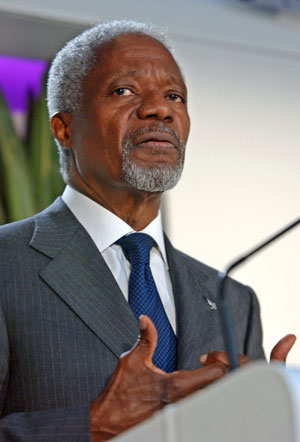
[(153, 127)]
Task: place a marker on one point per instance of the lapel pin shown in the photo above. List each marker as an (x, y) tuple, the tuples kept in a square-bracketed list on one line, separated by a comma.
[(212, 304)]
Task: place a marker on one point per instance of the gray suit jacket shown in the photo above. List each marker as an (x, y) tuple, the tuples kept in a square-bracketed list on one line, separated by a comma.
[(64, 323)]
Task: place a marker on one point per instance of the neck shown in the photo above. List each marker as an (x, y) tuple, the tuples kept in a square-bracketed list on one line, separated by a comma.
[(136, 208)]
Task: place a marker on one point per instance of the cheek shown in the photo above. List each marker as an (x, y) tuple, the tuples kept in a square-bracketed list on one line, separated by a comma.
[(107, 143), (185, 126), (114, 124), (187, 129)]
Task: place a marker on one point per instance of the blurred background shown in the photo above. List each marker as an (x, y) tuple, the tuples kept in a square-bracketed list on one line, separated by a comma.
[(241, 61)]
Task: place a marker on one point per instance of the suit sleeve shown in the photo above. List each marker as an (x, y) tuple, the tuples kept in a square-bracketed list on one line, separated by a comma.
[(253, 342), (62, 424)]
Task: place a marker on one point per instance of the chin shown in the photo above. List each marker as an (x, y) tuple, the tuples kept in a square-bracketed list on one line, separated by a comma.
[(159, 178)]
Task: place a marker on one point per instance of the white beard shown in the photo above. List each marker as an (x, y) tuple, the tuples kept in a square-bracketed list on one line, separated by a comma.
[(151, 179)]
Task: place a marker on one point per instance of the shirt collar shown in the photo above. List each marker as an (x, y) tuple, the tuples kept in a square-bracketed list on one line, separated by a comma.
[(103, 226)]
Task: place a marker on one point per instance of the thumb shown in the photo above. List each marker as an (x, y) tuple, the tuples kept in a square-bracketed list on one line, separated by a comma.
[(148, 338), (282, 348)]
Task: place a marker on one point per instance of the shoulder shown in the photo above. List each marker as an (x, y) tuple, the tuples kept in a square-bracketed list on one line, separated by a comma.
[(194, 270), (194, 264), (180, 261), (19, 231)]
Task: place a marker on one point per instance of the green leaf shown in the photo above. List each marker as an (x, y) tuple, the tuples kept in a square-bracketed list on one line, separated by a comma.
[(2, 213), (15, 172), (44, 162)]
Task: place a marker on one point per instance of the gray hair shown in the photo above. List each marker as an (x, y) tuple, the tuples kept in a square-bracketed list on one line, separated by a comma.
[(76, 59)]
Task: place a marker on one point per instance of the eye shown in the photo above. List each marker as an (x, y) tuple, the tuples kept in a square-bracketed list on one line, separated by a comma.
[(176, 98), (123, 91)]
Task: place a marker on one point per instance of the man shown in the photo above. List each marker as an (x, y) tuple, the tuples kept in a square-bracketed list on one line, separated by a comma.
[(118, 108)]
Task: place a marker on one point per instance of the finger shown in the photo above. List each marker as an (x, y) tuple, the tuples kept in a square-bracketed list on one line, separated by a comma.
[(141, 353), (203, 376), (243, 360), (182, 383), (282, 348), (147, 341), (147, 329), (223, 358)]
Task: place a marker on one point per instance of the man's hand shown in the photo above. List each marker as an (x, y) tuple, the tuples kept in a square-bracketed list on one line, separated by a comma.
[(282, 348), (137, 388), (223, 358), (279, 353)]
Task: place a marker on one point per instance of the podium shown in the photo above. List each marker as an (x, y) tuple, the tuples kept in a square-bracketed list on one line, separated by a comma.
[(258, 403)]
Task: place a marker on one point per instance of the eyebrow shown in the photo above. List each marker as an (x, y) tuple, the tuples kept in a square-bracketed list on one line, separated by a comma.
[(135, 73)]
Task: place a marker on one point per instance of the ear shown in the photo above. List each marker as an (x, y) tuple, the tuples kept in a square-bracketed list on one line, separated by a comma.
[(61, 128)]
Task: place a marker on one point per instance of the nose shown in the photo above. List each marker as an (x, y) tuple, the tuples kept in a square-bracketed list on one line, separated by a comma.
[(155, 107)]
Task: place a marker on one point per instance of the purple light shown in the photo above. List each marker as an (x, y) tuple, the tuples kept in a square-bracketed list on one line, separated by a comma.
[(20, 78)]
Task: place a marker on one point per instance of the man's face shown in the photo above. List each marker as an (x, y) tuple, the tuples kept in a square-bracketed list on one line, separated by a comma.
[(133, 124)]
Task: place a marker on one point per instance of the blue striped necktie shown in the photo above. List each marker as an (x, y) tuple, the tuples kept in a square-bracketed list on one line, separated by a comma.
[(144, 298)]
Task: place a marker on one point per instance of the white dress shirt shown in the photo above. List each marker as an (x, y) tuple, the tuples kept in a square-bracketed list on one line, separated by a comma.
[(105, 228)]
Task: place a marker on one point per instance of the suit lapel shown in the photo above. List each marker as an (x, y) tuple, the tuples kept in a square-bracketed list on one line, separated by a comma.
[(197, 321), (79, 275)]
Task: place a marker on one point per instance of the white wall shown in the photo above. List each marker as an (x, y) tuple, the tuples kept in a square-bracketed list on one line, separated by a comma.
[(241, 178)]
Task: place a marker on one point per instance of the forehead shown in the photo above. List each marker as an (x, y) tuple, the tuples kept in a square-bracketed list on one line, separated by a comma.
[(134, 55)]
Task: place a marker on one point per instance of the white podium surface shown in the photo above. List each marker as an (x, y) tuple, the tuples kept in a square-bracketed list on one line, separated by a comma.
[(258, 403)]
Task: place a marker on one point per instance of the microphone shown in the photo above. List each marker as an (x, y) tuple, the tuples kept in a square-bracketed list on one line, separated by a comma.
[(222, 279)]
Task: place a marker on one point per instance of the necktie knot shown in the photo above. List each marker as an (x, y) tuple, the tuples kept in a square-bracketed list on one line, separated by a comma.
[(136, 247)]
